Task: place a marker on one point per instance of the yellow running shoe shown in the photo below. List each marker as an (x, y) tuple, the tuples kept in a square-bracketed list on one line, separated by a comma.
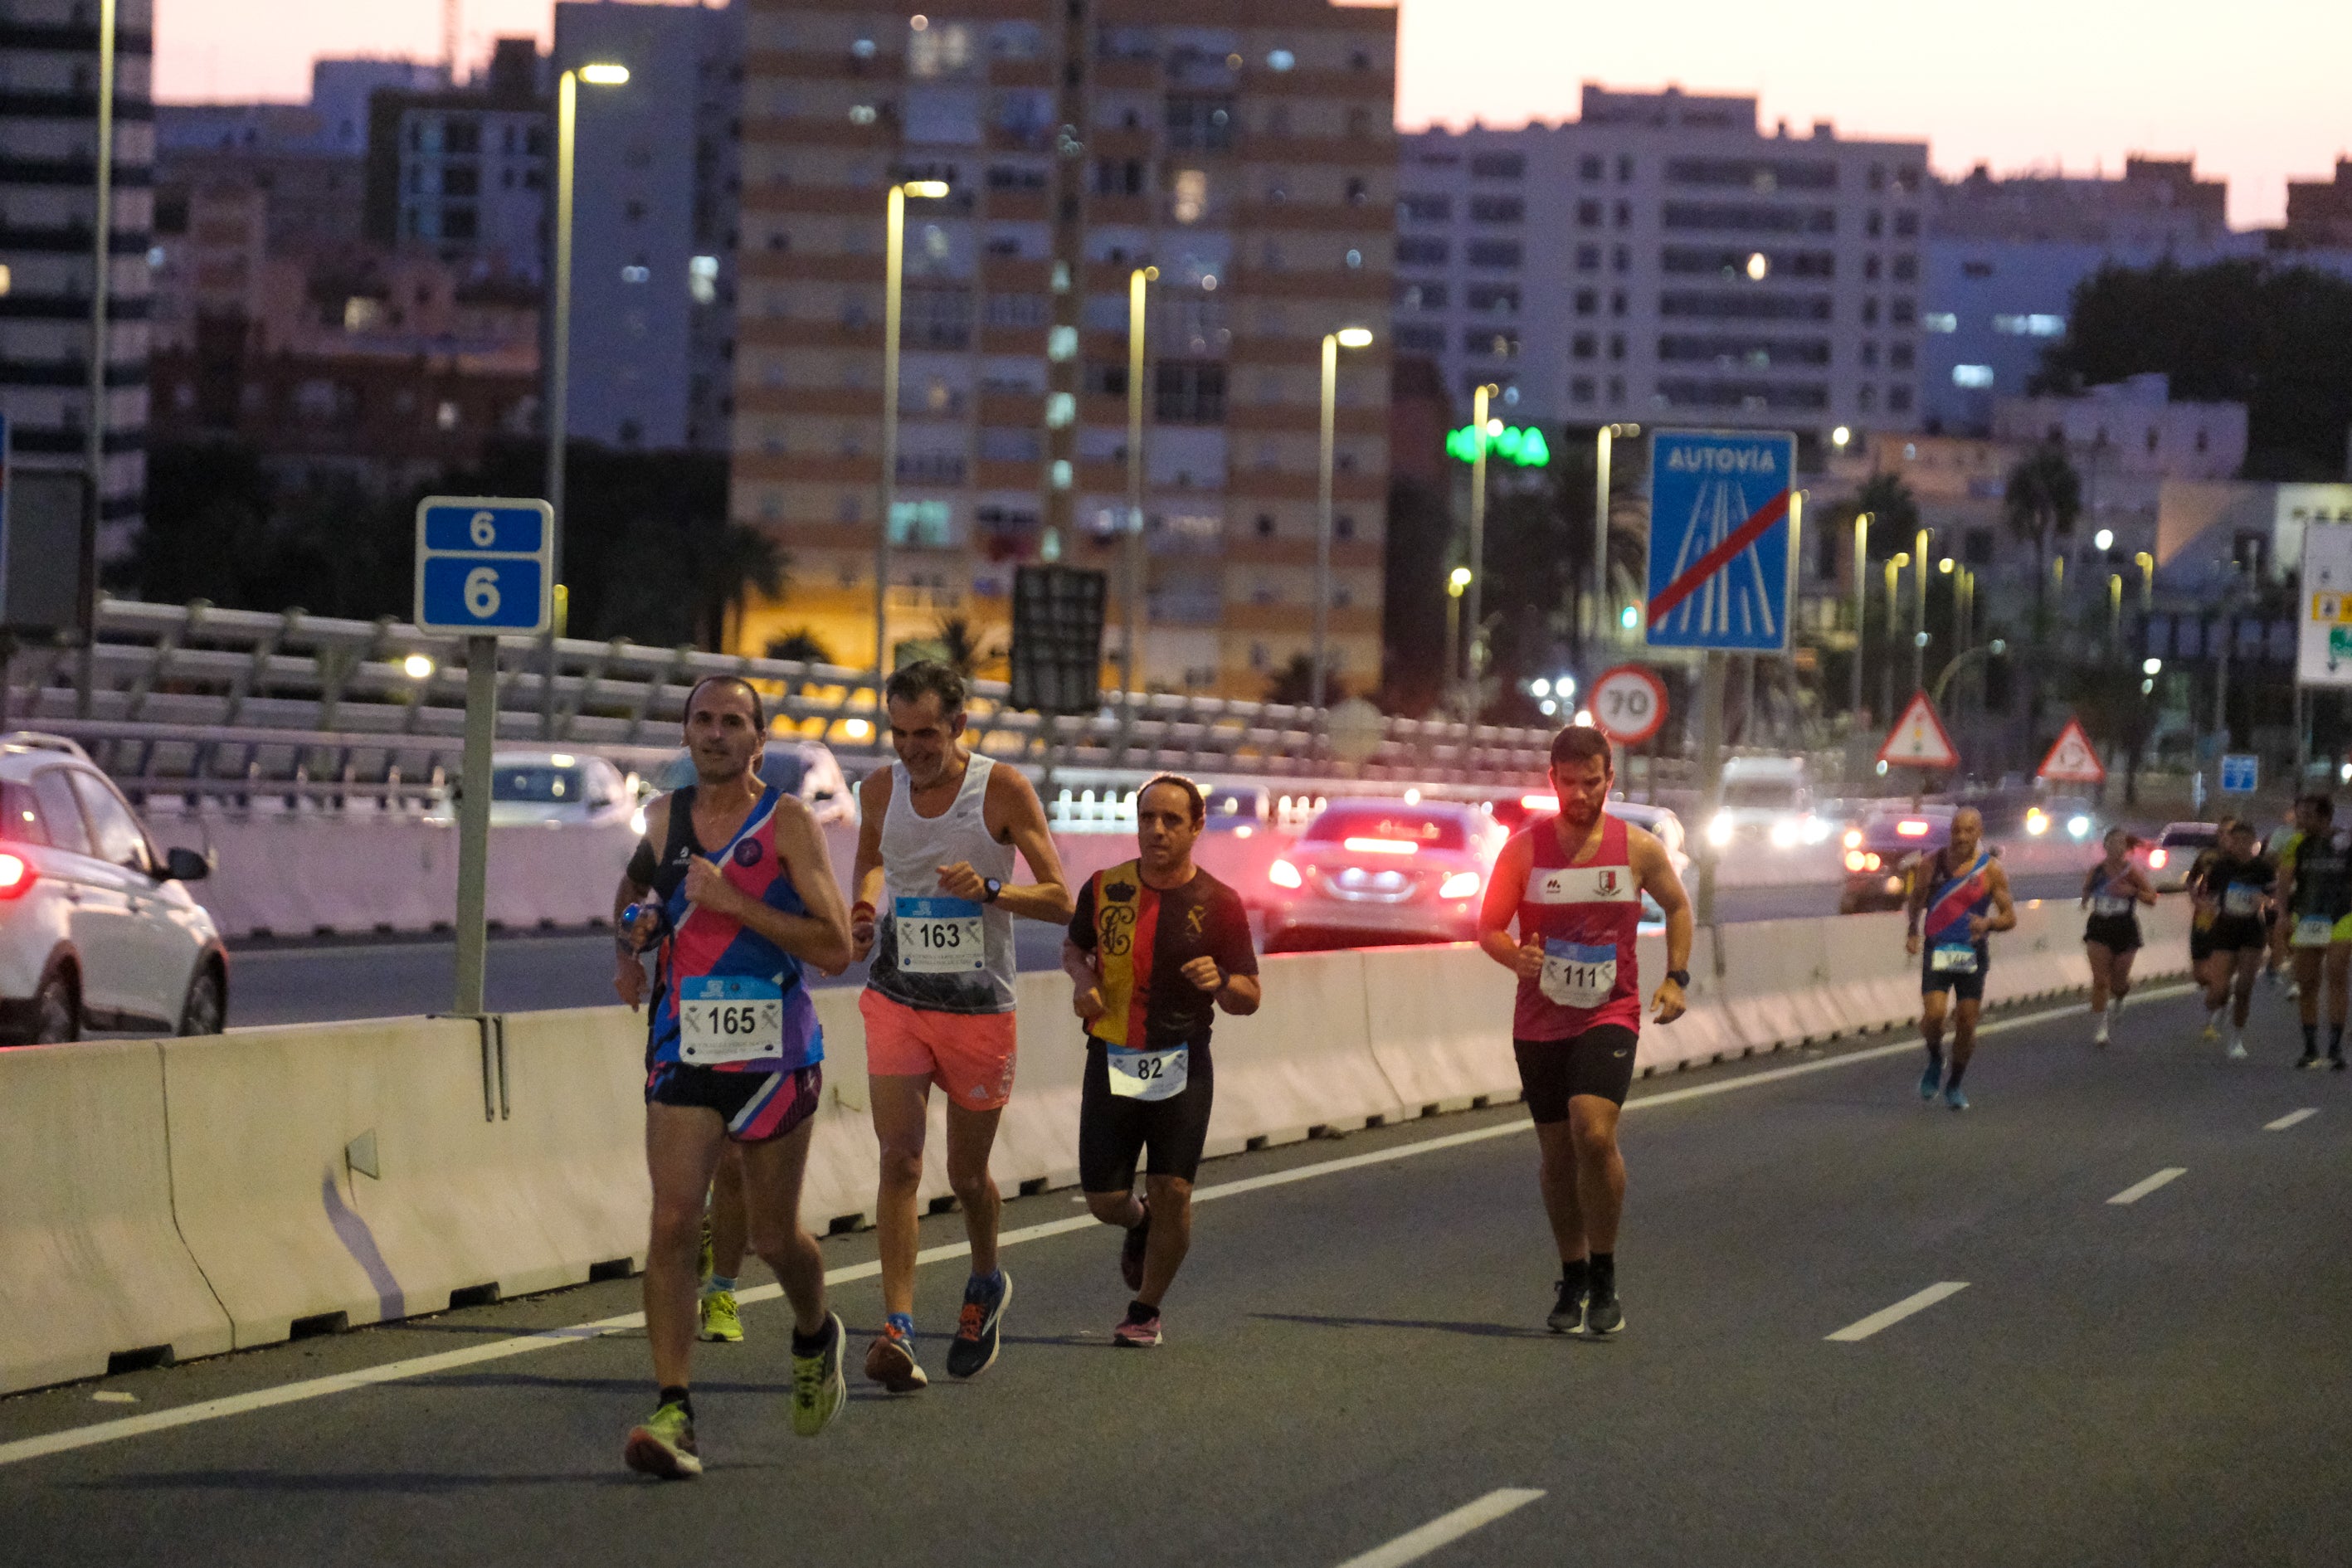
[(819, 1390), (723, 1322), (664, 1446)]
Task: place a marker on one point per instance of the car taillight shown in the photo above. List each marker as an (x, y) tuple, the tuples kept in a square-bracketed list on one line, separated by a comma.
[(1872, 862), (1911, 827), (1539, 802), (1461, 885), (1854, 837), (1855, 861), (1283, 874), (2156, 859), (17, 874)]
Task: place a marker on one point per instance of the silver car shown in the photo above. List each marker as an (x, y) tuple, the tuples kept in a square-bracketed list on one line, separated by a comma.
[(1373, 872)]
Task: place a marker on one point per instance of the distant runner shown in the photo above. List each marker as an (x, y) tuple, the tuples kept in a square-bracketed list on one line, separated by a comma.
[(936, 902), (2316, 887), (1573, 883), (744, 896), (1157, 946), (2113, 893), (1957, 897), (2236, 885)]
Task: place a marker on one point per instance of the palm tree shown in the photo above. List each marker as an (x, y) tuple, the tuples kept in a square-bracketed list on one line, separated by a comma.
[(736, 560), (1893, 509), (799, 647), (2043, 499), (1293, 684), (964, 647)]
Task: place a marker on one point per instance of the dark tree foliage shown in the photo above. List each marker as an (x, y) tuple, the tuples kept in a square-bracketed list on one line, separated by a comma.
[(2277, 338), (1418, 553), (649, 551)]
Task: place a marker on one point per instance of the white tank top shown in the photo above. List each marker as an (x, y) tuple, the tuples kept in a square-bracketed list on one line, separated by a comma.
[(924, 952)]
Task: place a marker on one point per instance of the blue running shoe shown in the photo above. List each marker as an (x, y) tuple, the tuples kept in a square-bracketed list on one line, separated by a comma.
[(974, 1349), (1931, 1080), (1954, 1099)]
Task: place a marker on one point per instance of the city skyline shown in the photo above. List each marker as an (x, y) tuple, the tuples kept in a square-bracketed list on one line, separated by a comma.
[(2005, 90)]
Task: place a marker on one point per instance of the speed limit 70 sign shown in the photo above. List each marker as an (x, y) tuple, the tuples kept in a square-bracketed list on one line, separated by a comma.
[(1628, 704), (484, 565)]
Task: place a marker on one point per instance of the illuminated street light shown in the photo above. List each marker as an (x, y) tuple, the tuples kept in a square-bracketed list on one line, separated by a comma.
[(1839, 437), (604, 74), (416, 667), (2152, 666), (1345, 338), (2104, 539), (1945, 565), (1759, 266), (894, 276)]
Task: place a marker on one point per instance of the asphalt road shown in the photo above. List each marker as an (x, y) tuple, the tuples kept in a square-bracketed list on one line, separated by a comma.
[(1356, 1351), (317, 980)]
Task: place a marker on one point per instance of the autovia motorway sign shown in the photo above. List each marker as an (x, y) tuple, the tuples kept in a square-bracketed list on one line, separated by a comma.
[(1722, 539)]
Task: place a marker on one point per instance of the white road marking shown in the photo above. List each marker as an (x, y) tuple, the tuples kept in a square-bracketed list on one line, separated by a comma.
[(2139, 1190), (2291, 1119), (1416, 1544), (99, 1432), (1887, 1317)]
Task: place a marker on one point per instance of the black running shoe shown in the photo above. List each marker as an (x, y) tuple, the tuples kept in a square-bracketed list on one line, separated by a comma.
[(1603, 1315), (974, 1349), (2307, 1061), (1130, 1251), (2336, 1064), (1568, 1315)]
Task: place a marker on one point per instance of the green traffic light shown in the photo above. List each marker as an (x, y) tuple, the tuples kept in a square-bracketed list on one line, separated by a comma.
[(1523, 446)]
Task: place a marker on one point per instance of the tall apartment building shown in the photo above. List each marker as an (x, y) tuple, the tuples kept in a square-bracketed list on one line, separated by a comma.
[(653, 223), (1244, 148), (49, 165), (2003, 258), (465, 170), (1661, 260)]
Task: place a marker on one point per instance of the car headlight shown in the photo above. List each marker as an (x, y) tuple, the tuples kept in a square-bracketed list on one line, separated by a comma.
[(1854, 837), (637, 821), (1283, 874), (2036, 822), (1784, 833), (2080, 827), (1718, 832), (1461, 885), (1855, 859), (1815, 830)]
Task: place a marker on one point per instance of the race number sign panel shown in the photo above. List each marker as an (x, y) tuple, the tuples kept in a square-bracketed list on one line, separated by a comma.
[(1629, 704), (485, 566)]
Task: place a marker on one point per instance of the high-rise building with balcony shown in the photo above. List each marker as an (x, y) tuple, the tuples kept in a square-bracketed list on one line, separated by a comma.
[(1660, 259), (1245, 150), (48, 193)]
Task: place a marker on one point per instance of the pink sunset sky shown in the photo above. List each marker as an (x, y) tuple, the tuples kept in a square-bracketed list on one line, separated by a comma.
[(2252, 87)]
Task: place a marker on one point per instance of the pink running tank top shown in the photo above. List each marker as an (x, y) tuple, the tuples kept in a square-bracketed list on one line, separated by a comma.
[(1589, 919)]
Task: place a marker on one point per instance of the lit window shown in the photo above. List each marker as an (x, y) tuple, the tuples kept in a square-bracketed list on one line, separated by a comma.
[(1355, 259), (1061, 408), (861, 114), (1978, 376), (1280, 60), (1940, 321), (1192, 195), (2045, 326), (1061, 473), (1061, 342), (634, 274)]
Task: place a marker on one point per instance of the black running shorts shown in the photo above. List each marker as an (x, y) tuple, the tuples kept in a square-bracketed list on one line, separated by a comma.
[(1114, 1130), (1599, 1062), (755, 1106), (2117, 933), (2236, 933)]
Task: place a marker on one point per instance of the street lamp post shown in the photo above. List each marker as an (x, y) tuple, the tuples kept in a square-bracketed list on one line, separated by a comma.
[(102, 262), (2147, 564), (559, 340), (1481, 402), (1345, 338), (1919, 633), (1895, 565), (1860, 599), (1137, 281), (894, 268), (2115, 607), (1455, 582), (1603, 443)]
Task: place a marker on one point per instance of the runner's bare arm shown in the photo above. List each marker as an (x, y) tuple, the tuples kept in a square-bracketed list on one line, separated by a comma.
[(1086, 986), (629, 973), (1015, 815), (1914, 903), (819, 937), (1501, 905), (1240, 994), (1653, 872), (2004, 909), (2142, 889), (865, 871)]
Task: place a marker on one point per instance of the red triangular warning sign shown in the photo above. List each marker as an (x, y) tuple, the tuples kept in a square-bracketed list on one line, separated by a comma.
[(2073, 760), (1918, 739)]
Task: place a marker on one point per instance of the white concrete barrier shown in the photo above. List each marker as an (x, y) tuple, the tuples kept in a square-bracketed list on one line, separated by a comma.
[(91, 1264), (204, 1193)]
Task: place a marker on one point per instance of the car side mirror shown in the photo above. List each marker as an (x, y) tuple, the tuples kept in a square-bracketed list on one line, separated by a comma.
[(185, 865)]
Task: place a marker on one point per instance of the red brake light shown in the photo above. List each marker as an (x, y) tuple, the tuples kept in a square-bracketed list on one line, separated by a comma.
[(15, 874), (1383, 846), (2156, 859), (1539, 801), (1911, 827)]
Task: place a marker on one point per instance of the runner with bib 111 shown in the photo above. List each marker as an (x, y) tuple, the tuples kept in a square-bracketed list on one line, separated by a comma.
[(1573, 883)]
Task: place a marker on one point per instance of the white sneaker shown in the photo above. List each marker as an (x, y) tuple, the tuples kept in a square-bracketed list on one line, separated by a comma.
[(2237, 1047), (2100, 1038)]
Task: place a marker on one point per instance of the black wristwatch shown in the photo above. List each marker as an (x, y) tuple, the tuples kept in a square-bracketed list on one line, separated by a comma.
[(989, 887), (1681, 977)]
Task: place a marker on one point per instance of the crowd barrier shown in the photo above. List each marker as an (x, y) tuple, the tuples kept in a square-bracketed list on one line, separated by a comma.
[(176, 1198)]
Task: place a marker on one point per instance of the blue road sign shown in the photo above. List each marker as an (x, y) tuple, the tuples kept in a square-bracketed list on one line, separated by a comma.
[(484, 565), (2241, 773), (1721, 544)]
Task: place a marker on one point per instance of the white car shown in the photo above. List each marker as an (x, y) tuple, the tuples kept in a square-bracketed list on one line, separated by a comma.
[(97, 930), (804, 768), (1766, 800)]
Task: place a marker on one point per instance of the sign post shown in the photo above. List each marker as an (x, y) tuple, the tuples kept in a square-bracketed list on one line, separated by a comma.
[(484, 564), (1723, 526)]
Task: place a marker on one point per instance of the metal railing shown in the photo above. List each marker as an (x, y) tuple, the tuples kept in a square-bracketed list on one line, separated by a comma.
[(170, 694)]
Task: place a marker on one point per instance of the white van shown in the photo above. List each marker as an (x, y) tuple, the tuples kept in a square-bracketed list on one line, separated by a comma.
[(1766, 800)]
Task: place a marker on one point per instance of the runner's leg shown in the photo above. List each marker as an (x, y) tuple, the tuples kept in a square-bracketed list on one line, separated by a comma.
[(1964, 1038), (1600, 1170), (900, 1103), (769, 1183), (2119, 981), (2248, 966), (727, 1232), (1556, 1144), (682, 1152), (2308, 964), (2103, 966), (971, 1136), (1171, 1236), (2339, 982)]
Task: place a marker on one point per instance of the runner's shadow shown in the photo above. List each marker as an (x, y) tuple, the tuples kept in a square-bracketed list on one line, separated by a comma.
[(428, 1482), (1477, 1330)]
